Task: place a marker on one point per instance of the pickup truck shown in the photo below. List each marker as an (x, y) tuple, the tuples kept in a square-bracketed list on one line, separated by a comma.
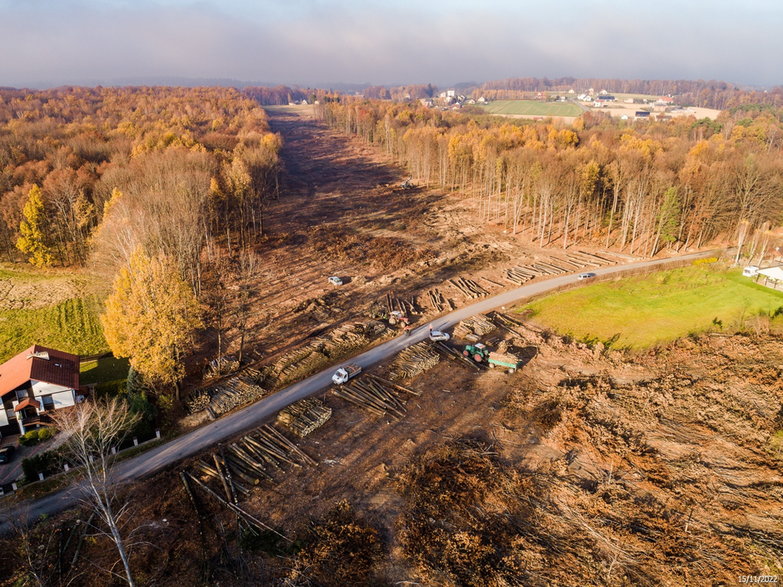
[(344, 373)]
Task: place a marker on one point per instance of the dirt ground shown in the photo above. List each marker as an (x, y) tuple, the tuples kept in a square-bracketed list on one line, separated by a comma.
[(655, 468), (341, 212)]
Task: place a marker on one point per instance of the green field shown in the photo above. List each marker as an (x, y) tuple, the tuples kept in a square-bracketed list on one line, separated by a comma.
[(71, 326), (638, 312), (531, 108)]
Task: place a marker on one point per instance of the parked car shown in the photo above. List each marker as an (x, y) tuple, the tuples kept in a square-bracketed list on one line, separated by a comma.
[(6, 454), (585, 276), (334, 280), (439, 335)]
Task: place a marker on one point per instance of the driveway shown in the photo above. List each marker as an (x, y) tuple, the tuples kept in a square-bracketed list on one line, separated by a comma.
[(255, 414)]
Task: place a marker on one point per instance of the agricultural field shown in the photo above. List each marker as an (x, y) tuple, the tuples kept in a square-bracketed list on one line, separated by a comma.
[(642, 311), (531, 108), (51, 308)]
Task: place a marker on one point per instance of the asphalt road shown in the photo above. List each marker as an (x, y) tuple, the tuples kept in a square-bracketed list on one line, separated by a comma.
[(254, 415)]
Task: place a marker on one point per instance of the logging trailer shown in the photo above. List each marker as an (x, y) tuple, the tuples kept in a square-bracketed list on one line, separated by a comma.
[(481, 354)]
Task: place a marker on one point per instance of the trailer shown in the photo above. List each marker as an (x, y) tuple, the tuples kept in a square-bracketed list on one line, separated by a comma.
[(505, 360)]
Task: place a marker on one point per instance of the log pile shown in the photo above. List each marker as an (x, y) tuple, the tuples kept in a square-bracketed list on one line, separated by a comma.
[(438, 302), (573, 261), (252, 459), (375, 395), (469, 288), (414, 360), (229, 394), (304, 416), (475, 326), (406, 306)]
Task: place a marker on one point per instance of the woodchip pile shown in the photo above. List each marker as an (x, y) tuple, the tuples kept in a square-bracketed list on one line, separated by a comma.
[(414, 360), (375, 395), (304, 416)]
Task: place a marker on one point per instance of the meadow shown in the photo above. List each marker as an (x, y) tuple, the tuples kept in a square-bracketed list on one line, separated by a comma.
[(531, 108), (643, 311)]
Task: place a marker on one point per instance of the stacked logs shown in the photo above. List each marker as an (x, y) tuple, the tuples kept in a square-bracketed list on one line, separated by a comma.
[(229, 394), (475, 326), (304, 416), (375, 395), (469, 288), (438, 302), (407, 307), (414, 360), (252, 459)]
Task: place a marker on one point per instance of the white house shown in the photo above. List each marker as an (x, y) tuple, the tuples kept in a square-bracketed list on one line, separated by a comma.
[(772, 274), (34, 382)]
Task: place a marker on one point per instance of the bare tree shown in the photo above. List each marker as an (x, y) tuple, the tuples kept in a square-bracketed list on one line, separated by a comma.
[(93, 429)]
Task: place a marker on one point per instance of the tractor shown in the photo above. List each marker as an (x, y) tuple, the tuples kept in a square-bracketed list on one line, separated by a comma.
[(478, 352)]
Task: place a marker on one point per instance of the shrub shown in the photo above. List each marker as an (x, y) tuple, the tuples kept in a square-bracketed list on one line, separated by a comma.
[(45, 434), (48, 462), (29, 438)]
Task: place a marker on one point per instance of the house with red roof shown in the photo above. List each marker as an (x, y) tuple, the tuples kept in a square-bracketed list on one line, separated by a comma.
[(33, 384)]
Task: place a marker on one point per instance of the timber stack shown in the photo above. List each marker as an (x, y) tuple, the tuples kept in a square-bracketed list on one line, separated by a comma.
[(468, 288), (474, 327), (414, 360), (304, 416), (375, 395)]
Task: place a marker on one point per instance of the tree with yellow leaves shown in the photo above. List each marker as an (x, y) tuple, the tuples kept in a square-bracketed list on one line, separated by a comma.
[(151, 318), (32, 230)]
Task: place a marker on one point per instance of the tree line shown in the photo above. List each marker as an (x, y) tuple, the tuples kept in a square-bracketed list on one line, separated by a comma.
[(638, 187)]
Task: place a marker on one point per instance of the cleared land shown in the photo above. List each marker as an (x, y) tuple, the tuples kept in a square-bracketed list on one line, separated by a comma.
[(641, 311), (531, 108)]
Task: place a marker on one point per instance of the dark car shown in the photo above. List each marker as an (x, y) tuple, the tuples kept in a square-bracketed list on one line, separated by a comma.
[(6, 454), (582, 276)]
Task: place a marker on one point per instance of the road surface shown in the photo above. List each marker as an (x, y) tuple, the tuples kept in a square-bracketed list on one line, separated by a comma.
[(255, 414)]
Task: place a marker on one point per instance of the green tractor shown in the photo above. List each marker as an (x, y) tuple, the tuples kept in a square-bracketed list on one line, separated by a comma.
[(478, 352)]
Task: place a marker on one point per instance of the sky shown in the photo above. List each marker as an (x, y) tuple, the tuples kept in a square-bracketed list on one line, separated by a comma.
[(317, 42)]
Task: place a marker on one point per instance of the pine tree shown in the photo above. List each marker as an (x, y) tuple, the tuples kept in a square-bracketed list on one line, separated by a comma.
[(151, 317), (32, 230)]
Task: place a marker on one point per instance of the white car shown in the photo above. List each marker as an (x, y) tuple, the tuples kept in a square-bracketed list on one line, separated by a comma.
[(334, 280), (439, 335), (582, 276)]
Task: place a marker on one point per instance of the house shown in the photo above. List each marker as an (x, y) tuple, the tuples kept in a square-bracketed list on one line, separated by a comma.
[(773, 276), (35, 382)]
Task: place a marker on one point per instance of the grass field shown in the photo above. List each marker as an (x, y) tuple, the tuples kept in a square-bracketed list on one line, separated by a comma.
[(638, 312), (531, 108), (71, 326), (103, 370)]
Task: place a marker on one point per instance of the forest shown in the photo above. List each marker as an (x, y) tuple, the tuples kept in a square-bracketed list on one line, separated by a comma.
[(639, 188), (147, 178)]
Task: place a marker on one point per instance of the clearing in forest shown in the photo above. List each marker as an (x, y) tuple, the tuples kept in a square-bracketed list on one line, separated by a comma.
[(531, 108), (646, 310)]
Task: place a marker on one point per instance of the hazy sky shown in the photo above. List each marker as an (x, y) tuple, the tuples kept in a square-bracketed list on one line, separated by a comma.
[(404, 41)]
